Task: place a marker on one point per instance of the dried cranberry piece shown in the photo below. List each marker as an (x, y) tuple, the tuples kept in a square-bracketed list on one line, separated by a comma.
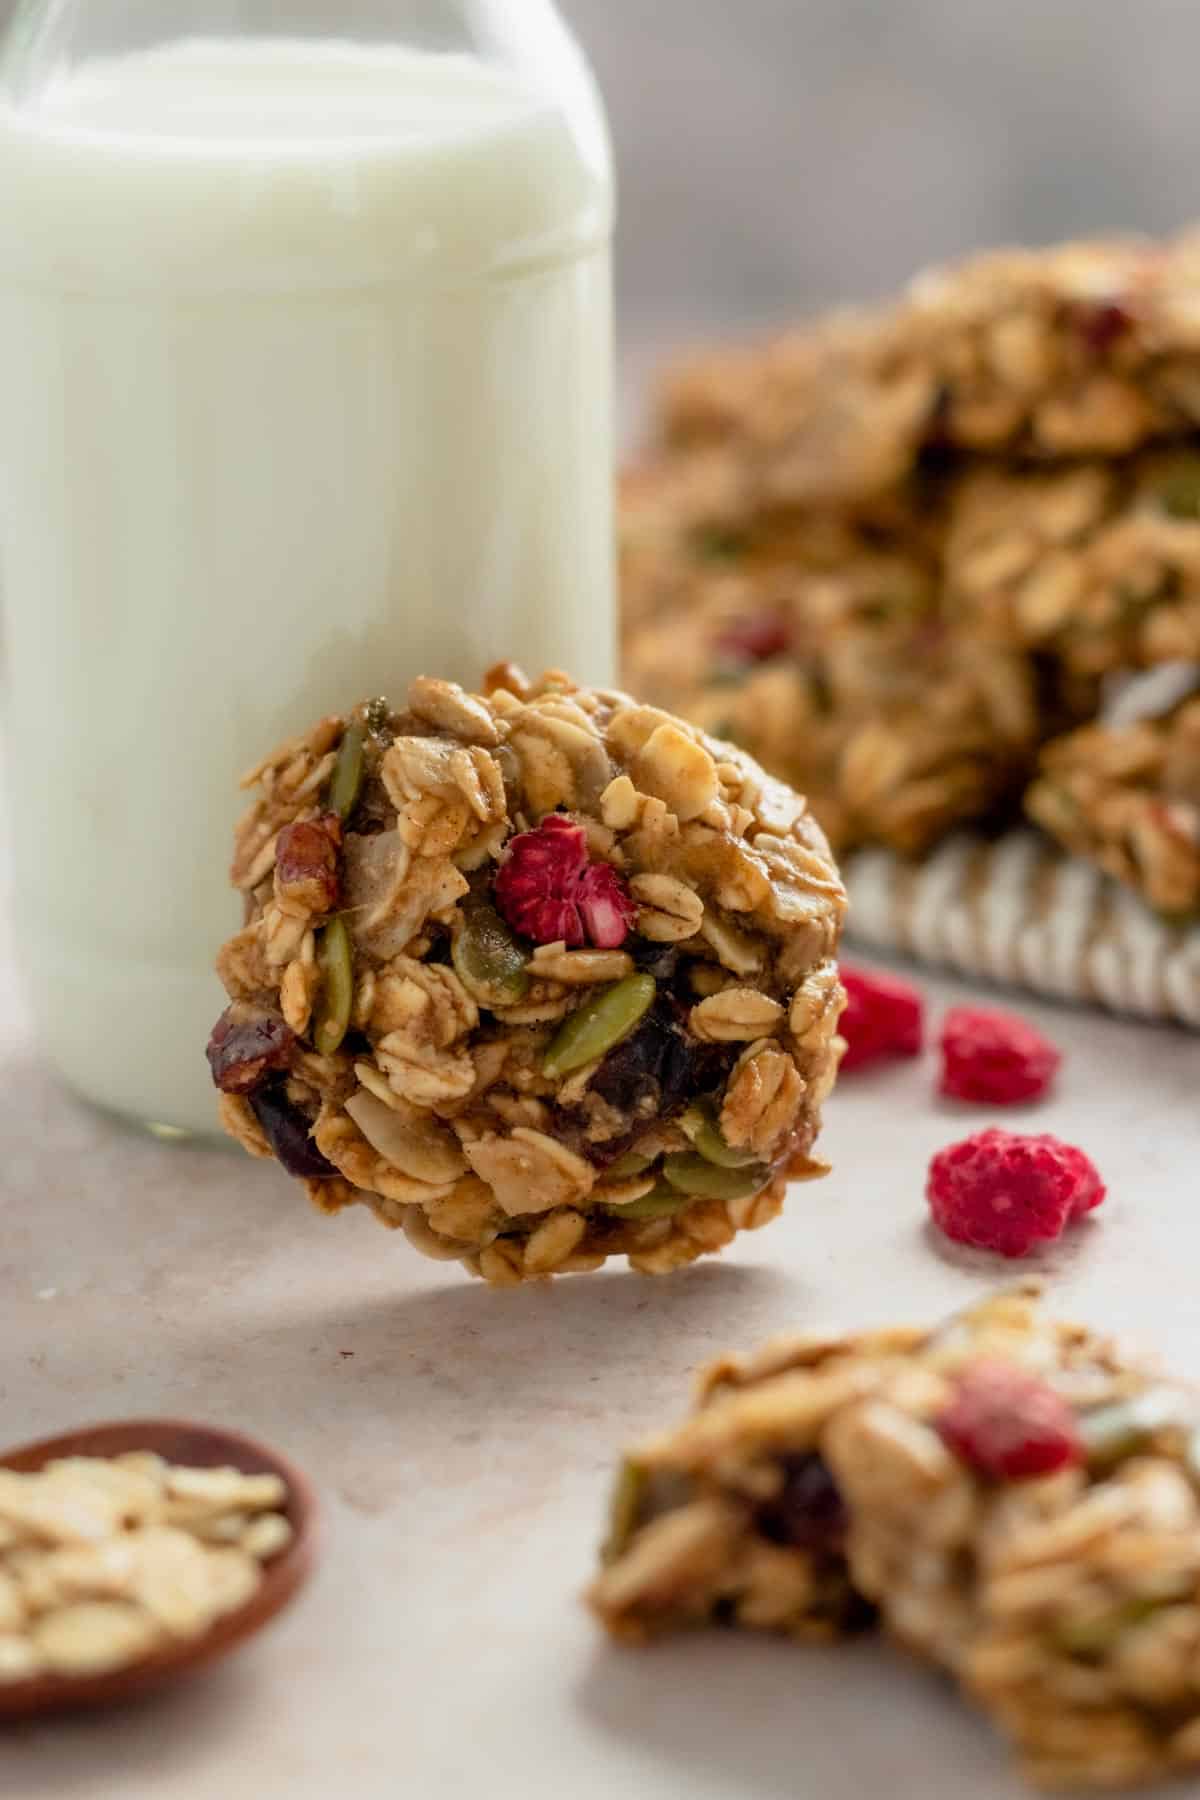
[(288, 1133), (248, 1044), (1101, 323), (306, 863), (754, 638), (808, 1513)]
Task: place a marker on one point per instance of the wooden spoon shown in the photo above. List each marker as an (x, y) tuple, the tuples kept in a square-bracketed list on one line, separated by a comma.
[(193, 1446)]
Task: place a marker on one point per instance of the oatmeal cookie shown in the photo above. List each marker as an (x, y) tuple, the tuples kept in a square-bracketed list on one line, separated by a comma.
[(540, 975), (1014, 1498), (1127, 797), (1084, 349), (1097, 564)]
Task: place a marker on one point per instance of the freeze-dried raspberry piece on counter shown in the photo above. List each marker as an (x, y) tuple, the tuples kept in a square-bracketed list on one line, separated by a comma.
[(994, 1057), (540, 975), (1009, 1192), (884, 1017), (1089, 1189), (1015, 1498)]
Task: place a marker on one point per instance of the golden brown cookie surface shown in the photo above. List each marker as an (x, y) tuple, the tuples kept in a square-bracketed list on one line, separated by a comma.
[(541, 975)]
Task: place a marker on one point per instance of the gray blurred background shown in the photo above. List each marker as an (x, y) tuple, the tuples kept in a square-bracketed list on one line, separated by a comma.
[(776, 155), (779, 154)]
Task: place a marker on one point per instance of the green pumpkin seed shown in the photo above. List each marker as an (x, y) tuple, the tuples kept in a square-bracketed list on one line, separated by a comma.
[(719, 543), (345, 784), (624, 1508), (488, 959), (700, 1127), (336, 959), (625, 1166), (600, 1023), (699, 1179), (1124, 1427), (640, 1496), (1088, 1638), (1179, 488), (659, 1203)]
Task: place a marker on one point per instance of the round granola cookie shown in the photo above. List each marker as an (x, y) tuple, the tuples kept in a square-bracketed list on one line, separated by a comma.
[(1080, 349), (541, 975)]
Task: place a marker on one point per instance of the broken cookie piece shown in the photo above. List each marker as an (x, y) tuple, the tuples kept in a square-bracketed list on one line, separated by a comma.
[(540, 975), (1014, 1498)]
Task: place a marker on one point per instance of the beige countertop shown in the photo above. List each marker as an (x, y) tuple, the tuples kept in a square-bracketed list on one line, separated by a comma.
[(463, 1439)]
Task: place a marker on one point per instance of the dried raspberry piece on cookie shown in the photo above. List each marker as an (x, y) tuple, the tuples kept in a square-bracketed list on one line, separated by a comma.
[(1008, 1425), (549, 890)]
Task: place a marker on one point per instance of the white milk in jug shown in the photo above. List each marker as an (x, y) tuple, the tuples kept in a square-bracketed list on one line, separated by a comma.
[(305, 368)]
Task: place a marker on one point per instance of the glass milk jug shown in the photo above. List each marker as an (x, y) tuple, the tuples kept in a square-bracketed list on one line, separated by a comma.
[(305, 388)]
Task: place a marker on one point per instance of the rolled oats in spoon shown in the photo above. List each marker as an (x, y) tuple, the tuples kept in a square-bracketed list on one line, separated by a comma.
[(105, 1561), (540, 975)]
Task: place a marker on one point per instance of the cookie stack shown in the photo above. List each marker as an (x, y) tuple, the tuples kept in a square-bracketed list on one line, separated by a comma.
[(901, 556)]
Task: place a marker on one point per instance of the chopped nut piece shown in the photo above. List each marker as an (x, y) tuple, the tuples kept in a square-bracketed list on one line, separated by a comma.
[(306, 856)]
